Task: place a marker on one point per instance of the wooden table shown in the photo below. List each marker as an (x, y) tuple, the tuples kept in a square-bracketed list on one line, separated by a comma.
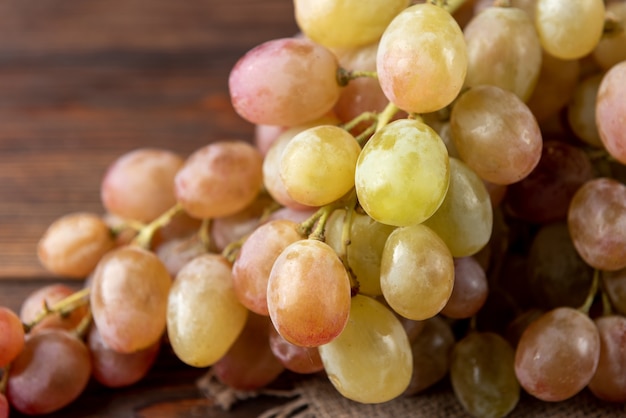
[(82, 82)]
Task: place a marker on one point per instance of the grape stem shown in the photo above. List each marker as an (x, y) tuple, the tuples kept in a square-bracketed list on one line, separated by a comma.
[(592, 292), (232, 249), (607, 308), (385, 116), (612, 27), (204, 233), (345, 76), (146, 233), (62, 307), (346, 240), (83, 326), (363, 117)]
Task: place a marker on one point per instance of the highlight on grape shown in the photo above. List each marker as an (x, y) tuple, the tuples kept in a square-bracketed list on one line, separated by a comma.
[(435, 190)]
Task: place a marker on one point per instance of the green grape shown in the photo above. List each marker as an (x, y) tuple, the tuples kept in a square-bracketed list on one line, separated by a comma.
[(569, 29), (317, 165), (308, 293), (422, 59), (347, 23), (402, 174), (204, 316), (371, 360), (367, 240), (483, 376), (465, 218), (417, 272), (581, 110)]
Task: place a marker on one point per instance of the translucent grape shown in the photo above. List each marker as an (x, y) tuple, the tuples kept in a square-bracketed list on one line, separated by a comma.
[(557, 355), (609, 381), (251, 269), (303, 360), (345, 24), (139, 185), (73, 244), (611, 111), (483, 376), (569, 30), (422, 59), (470, 289), (371, 360), (249, 363), (611, 48), (284, 82), (503, 50), (128, 298), (597, 223), (50, 373), (219, 179), (33, 305), (495, 134), (11, 336), (367, 240), (113, 369), (317, 165), (416, 272), (431, 350), (465, 218), (308, 293), (581, 110), (403, 173), (204, 316)]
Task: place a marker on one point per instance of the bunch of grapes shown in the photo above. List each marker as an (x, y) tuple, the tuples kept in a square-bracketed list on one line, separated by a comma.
[(435, 189)]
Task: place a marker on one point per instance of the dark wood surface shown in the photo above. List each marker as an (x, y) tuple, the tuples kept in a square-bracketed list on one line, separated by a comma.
[(82, 82)]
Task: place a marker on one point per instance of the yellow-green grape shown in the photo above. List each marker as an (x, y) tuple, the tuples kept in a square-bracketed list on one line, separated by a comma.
[(503, 50), (416, 272), (612, 47), (402, 173), (317, 165), (465, 218), (569, 29), (346, 23), (371, 360), (422, 59), (367, 240), (204, 316), (483, 375)]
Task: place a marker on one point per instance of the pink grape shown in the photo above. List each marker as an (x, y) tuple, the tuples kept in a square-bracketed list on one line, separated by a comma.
[(611, 111), (11, 336)]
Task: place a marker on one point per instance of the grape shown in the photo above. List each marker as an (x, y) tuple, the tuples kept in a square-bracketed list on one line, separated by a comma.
[(367, 240), (49, 295), (51, 372), (422, 59), (470, 289), (139, 185), (265, 135), (317, 165), (611, 111), (303, 360), (251, 269), (129, 298), (11, 336), (581, 111), (554, 88), (175, 253), (204, 317), (180, 225), (614, 284), (416, 272), (403, 173), (219, 179), (503, 50), (597, 223), (284, 82), (495, 134), (612, 46), (308, 293), (73, 244), (291, 214), (557, 355), (545, 194), (345, 24), (371, 360), (4, 406), (249, 364), (483, 376), (114, 369), (569, 30), (465, 217), (609, 381), (431, 350), (557, 275)]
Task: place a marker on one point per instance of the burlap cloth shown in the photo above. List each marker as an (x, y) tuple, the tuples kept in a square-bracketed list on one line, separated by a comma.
[(315, 397)]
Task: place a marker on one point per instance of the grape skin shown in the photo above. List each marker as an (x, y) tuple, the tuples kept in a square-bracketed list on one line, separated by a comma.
[(609, 381), (11, 336), (611, 111)]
